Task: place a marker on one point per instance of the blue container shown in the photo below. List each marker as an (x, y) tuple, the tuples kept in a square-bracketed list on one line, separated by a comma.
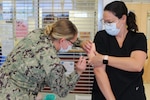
[(2, 59), (50, 97)]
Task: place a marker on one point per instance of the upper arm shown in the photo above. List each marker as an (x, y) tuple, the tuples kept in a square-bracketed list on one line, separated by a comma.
[(140, 57), (139, 50), (100, 42)]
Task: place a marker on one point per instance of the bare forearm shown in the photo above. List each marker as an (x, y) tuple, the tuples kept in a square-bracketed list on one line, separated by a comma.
[(124, 63), (103, 83), (133, 63), (127, 63)]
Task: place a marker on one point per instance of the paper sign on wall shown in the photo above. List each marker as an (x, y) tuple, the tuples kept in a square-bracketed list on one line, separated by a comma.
[(69, 65), (7, 46)]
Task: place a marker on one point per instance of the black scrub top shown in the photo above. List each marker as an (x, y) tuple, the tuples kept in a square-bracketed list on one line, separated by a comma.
[(125, 85)]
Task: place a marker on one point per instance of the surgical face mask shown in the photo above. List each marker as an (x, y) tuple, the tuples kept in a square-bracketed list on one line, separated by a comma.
[(62, 50), (111, 29)]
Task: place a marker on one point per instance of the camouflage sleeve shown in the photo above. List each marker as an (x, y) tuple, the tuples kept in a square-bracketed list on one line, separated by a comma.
[(77, 43), (56, 79), (60, 83)]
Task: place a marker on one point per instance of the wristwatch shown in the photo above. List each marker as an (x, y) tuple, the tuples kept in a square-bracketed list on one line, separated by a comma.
[(105, 59)]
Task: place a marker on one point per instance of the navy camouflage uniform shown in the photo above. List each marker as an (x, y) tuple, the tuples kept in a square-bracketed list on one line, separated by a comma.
[(31, 65)]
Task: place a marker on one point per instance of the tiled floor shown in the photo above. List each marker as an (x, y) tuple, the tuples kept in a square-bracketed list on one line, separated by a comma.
[(147, 91)]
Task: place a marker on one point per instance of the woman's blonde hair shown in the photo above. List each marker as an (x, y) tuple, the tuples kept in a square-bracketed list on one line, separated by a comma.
[(61, 29)]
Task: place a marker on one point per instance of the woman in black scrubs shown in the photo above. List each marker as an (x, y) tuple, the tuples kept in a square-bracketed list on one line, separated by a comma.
[(121, 52)]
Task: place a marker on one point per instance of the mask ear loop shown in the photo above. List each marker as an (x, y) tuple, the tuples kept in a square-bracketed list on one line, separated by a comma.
[(117, 23), (61, 42), (120, 25), (66, 44)]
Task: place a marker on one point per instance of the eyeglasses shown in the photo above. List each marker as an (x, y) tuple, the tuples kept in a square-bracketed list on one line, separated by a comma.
[(109, 23), (74, 44), (71, 42)]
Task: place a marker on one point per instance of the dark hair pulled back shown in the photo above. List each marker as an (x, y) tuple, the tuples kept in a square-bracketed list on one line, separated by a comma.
[(118, 8)]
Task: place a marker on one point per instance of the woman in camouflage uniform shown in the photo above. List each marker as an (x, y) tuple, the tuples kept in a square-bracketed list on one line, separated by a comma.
[(33, 63)]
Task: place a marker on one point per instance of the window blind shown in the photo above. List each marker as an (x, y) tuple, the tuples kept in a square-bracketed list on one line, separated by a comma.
[(18, 17)]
